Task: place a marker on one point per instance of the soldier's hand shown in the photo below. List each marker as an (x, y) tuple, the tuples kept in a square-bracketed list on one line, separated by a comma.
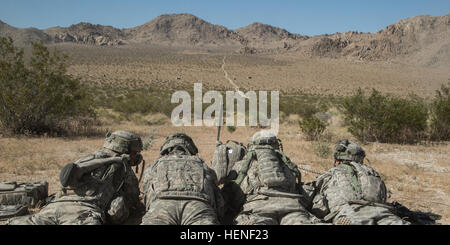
[(126, 158)]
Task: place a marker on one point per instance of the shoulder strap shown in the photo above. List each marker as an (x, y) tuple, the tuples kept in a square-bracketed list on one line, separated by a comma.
[(252, 155), (352, 174), (245, 166), (292, 166)]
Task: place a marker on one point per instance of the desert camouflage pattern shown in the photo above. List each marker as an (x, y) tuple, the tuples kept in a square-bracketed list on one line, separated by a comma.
[(99, 197), (262, 189), (180, 188), (367, 214), (23, 193), (272, 210), (180, 212), (63, 213), (348, 194), (224, 158), (123, 142)]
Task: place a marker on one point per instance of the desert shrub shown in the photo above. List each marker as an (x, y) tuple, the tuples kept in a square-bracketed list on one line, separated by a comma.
[(440, 114), (312, 127), (305, 105), (322, 149), (385, 118), (231, 129), (36, 98), (131, 101)]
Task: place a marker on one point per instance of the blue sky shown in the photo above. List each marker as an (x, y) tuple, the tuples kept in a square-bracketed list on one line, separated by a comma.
[(303, 17)]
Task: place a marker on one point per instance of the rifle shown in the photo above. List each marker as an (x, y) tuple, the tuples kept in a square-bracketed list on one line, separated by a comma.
[(219, 126), (145, 146)]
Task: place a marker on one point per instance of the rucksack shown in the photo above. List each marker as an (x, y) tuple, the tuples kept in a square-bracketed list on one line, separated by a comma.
[(9, 211), (23, 193), (225, 157), (17, 197), (270, 173)]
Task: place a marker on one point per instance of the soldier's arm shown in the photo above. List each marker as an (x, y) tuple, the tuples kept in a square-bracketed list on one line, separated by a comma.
[(118, 212), (319, 204), (218, 199), (126, 199), (219, 163), (147, 187), (130, 192)]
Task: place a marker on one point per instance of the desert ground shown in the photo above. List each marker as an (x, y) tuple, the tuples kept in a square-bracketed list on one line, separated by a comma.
[(178, 68), (415, 175)]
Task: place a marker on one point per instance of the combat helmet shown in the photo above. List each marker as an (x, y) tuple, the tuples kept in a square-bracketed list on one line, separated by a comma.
[(346, 150), (179, 139), (123, 142), (265, 137)]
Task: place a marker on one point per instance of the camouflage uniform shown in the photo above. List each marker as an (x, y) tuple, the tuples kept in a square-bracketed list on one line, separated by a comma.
[(179, 188), (97, 189), (351, 192), (262, 188)]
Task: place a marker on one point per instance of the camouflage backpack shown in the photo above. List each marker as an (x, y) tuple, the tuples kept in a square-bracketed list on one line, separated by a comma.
[(23, 193), (225, 157), (352, 180), (272, 163), (17, 197), (372, 186)]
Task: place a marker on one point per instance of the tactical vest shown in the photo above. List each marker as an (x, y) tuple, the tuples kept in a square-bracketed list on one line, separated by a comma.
[(274, 169), (373, 188), (181, 177), (353, 181)]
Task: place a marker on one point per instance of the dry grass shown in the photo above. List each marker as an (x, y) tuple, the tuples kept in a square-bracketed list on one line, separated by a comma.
[(416, 175)]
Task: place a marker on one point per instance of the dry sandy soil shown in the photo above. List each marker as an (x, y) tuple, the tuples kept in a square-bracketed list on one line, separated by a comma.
[(416, 175), (144, 66)]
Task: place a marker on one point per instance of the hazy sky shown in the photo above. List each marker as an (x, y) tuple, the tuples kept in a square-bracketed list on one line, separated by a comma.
[(303, 17)]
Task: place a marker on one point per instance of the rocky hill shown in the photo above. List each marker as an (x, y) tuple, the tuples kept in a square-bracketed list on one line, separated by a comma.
[(182, 30), (23, 36), (264, 36), (423, 40), (87, 33)]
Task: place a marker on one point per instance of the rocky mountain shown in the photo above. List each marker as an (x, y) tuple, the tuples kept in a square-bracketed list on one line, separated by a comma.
[(183, 29), (87, 33), (264, 36), (23, 36), (424, 39)]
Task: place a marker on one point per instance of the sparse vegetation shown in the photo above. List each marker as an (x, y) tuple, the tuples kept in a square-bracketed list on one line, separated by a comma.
[(39, 97), (132, 86), (385, 118), (231, 129), (322, 149), (440, 114), (312, 127)]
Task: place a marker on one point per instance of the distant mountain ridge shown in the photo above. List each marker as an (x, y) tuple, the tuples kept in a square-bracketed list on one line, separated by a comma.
[(425, 39)]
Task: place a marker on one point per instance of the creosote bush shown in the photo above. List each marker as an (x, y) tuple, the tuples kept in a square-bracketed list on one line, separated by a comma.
[(385, 118), (312, 127), (36, 98), (440, 114)]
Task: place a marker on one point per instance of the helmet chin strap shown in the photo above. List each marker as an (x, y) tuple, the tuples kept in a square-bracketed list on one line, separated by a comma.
[(337, 162)]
